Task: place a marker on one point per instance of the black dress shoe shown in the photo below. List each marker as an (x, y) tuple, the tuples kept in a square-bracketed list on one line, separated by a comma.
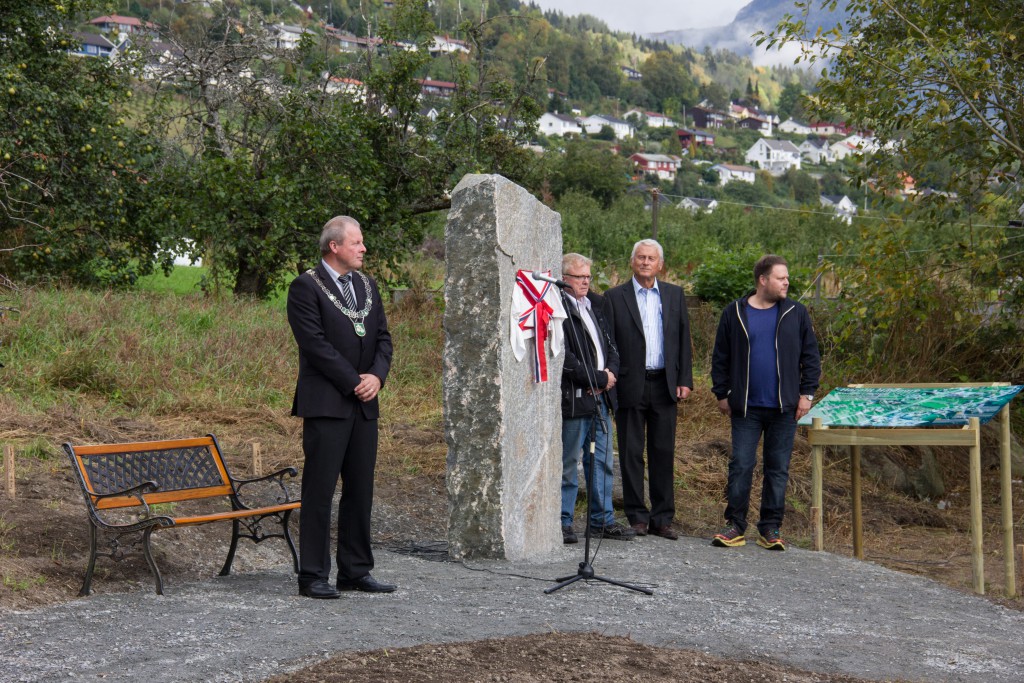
[(367, 584), (319, 589), (663, 531)]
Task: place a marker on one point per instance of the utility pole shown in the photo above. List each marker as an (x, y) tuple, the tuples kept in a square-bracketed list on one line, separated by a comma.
[(654, 213)]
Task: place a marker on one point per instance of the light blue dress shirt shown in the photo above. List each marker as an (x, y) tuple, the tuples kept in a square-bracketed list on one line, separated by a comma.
[(649, 303)]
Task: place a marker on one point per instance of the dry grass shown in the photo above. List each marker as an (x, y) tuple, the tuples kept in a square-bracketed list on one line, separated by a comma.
[(186, 366)]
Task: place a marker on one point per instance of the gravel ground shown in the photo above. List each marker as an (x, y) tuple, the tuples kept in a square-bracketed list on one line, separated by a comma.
[(814, 611)]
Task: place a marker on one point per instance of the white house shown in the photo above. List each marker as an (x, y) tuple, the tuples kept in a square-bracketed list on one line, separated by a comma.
[(841, 204), (853, 145), (355, 89), (656, 120), (730, 172), (794, 127), (558, 124), (593, 124), (662, 165), (286, 36), (445, 45), (774, 156), (817, 151), (698, 204)]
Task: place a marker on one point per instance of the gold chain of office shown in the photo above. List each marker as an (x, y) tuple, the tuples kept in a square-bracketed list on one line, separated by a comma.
[(357, 317)]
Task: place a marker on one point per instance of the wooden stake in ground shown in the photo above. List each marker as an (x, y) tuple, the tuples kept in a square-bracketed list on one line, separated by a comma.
[(257, 459), (9, 468)]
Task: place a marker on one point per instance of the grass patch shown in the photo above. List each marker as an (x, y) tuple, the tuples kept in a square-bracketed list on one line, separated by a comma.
[(181, 280)]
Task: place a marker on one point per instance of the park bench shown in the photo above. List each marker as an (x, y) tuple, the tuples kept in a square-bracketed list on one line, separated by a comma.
[(134, 489)]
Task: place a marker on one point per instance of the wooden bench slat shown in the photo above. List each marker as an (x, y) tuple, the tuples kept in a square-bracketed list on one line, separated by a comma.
[(175, 496), (233, 514)]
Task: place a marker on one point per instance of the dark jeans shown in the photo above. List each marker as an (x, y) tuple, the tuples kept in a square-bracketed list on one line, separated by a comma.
[(778, 429)]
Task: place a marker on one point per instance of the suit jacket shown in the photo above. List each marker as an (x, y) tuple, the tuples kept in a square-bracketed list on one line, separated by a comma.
[(331, 354), (628, 332)]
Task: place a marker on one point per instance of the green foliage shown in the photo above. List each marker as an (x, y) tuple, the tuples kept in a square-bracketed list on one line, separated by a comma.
[(72, 168), (590, 170), (725, 275), (666, 77), (254, 175)]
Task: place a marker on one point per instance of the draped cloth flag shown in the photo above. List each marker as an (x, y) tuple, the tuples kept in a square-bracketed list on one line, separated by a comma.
[(537, 312)]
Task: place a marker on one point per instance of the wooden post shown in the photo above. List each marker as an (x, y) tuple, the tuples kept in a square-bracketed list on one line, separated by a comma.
[(1020, 558), (977, 527), (855, 495), (257, 459), (654, 213), (1006, 496), (9, 468), (817, 516), (817, 277)]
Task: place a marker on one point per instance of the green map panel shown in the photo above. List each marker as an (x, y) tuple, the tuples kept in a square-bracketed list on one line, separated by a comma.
[(877, 407)]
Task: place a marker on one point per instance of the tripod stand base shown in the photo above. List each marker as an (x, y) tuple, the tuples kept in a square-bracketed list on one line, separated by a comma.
[(586, 571)]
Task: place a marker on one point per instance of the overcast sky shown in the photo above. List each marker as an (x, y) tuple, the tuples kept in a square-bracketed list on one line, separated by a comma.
[(651, 16)]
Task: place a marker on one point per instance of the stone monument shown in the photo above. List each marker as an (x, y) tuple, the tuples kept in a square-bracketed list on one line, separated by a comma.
[(502, 428)]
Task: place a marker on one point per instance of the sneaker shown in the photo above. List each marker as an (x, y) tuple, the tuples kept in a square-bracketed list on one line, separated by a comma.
[(614, 531), (729, 537), (568, 535), (771, 540)]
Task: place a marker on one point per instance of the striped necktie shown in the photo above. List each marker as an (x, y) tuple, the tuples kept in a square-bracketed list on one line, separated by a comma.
[(346, 291)]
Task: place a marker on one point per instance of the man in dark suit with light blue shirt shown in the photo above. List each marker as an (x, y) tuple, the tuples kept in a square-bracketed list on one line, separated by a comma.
[(337, 318), (652, 332)]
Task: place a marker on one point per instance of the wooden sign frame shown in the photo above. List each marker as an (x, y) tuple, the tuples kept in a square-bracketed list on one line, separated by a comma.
[(968, 436)]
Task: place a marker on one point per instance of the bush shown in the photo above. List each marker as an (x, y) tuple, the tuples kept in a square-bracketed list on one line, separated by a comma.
[(725, 275)]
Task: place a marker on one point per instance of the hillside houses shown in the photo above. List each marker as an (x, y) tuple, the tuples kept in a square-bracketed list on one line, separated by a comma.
[(688, 137), (817, 151), (663, 166), (558, 124), (841, 204), (728, 173), (125, 27), (698, 204), (704, 117), (794, 127), (774, 156), (593, 124)]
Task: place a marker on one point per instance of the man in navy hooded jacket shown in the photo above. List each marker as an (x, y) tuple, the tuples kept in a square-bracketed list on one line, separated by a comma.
[(765, 369)]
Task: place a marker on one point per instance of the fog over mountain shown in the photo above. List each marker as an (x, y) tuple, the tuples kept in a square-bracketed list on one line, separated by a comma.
[(759, 15)]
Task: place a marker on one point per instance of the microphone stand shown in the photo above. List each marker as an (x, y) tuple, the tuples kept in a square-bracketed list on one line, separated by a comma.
[(586, 569)]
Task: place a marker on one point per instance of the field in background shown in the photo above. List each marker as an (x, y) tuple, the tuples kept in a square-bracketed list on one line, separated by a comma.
[(92, 367)]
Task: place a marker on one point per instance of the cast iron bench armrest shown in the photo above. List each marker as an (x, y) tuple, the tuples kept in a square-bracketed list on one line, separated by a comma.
[(275, 477), (143, 519)]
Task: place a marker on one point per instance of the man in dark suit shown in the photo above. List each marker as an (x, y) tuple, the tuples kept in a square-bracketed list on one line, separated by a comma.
[(344, 356), (652, 332)]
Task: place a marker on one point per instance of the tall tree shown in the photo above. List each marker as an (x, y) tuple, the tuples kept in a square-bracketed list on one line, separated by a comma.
[(936, 77), (72, 169), (266, 159), (666, 78)]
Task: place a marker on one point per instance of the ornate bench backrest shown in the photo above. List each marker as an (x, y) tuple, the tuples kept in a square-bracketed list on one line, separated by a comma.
[(183, 469)]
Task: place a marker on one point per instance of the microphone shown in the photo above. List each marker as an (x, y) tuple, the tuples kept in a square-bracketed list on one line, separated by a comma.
[(547, 278)]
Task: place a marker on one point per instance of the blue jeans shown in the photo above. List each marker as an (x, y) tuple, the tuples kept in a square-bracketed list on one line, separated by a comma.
[(778, 429), (575, 443)]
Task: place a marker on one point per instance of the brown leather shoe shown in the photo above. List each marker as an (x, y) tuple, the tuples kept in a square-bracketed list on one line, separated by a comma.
[(663, 531), (640, 529)]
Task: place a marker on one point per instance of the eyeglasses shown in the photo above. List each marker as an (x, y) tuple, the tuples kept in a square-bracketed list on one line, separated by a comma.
[(585, 278)]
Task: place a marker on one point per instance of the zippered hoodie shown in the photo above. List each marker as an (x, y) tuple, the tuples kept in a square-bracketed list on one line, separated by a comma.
[(798, 365)]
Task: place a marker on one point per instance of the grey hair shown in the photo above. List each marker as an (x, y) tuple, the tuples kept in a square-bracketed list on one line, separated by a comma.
[(572, 259), (648, 243), (335, 231)]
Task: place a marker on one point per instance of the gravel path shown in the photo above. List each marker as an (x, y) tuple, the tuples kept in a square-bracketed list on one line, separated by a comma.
[(814, 611)]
